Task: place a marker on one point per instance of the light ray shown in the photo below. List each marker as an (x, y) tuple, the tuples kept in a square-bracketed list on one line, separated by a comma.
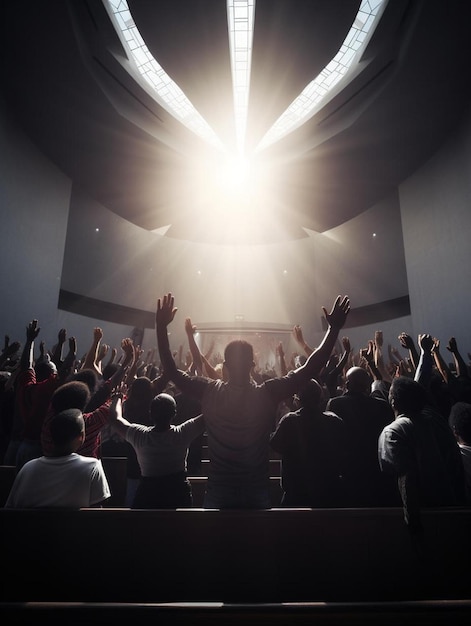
[(315, 93), (166, 92)]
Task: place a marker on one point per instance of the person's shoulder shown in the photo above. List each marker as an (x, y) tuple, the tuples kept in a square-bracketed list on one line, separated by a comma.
[(83, 460), (332, 415), (336, 401), (402, 424), (291, 416)]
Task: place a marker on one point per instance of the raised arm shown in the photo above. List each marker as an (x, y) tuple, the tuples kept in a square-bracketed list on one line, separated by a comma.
[(335, 322), (440, 363), (299, 337), (407, 342), (90, 361), (194, 349), (9, 352), (281, 355), (209, 370), (27, 356), (460, 365), (163, 318), (378, 353), (117, 422), (66, 366), (368, 355), (128, 350), (423, 373), (56, 355)]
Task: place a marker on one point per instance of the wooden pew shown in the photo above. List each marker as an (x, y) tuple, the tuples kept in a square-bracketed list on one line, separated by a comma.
[(278, 555)]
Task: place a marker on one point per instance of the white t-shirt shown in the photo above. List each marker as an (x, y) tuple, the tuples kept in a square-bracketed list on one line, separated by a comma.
[(163, 453), (71, 481)]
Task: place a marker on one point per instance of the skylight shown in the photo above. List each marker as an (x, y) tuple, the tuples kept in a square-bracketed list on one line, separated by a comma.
[(309, 100), (165, 90), (240, 20)]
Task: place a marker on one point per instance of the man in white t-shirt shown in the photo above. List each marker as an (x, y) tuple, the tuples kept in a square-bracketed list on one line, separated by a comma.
[(63, 479), (162, 451)]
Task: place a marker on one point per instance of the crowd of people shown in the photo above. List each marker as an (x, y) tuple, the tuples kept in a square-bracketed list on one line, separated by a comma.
[(371, 427)]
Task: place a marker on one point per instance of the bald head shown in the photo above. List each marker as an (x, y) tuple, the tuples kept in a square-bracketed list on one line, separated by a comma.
[(358, 380)]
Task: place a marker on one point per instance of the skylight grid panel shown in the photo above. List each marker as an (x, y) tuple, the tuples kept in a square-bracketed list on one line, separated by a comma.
[(241, 56), (241, 12), (347, 56), (360, 20), (241, 39), (240, 25), (368, 23), (350, 37), (121, 21), (128, 36), (140, 56)]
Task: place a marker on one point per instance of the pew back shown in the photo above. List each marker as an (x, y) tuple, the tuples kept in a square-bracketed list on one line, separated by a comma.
[(277, 555)]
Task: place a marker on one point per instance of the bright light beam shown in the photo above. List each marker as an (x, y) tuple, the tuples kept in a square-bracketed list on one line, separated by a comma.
[(165, 91), (315, 93)]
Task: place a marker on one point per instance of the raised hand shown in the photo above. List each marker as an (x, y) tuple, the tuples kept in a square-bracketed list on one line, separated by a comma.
[(395, 352), (104, 348), (190, 329), (115, 410), (452, 345), (97, 334), (32, 331), (165, 310), (62, 335), (279, 350), (338, 315), (11, 349), (346, 345), (406, 341), (298, 334), (42, 351), (128, 348), (426, 343), (379, 338), (72, 345)]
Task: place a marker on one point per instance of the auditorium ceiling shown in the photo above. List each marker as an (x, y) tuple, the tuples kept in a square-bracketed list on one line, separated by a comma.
[(68, 81)]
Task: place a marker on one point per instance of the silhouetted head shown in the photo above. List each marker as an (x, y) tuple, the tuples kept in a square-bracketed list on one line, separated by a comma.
[(460, 422), (141, 390), (312, 395), (163, 409), (44, 369), (87, 376), (358, 380), (407, 396), (136, 407), (71, 395), (238, 359), (67, 431), (110, 370)]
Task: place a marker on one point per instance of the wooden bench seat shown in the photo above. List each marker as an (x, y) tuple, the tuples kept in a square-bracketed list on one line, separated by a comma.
[(192, 555)]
